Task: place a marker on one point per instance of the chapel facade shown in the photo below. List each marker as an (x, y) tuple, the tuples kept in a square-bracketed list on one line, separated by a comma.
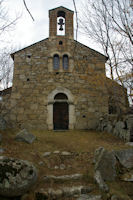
[(59, 83)]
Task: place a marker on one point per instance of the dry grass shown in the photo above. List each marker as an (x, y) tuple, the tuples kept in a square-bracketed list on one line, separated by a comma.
[(73, 141), (81, 143)]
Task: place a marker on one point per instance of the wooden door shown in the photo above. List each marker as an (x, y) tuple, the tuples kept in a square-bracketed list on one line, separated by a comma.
[(60, 116)]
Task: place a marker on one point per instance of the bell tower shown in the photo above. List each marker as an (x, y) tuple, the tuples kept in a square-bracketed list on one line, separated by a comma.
[(61, 22)]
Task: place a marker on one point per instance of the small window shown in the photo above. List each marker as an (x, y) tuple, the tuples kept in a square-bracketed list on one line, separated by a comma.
[(56, 61), (60, 42), (65, 62)]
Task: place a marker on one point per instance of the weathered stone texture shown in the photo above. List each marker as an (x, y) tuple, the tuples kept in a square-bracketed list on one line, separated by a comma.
[(121, 127), (34, 79), (16, 176), (105, 165)]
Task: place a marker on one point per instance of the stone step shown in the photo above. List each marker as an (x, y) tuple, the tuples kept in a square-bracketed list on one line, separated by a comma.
[(73, 177), (89, 197), (63, 192)]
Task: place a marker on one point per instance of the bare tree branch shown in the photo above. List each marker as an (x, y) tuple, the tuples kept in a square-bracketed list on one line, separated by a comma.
[(109, 24), (76, 19), (28, 10)]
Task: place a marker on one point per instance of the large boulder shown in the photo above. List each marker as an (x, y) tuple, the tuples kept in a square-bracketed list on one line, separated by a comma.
[(97, 154), (108, 128), (16, 176), (103, 124), (102, 185), (120, 125), (125, 157), (105, 164), (25, 136)]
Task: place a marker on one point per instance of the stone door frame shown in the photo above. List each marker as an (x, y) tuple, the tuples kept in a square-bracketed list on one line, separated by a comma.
[(71, 108)]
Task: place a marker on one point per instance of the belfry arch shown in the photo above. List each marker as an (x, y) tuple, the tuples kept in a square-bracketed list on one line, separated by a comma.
[(61, 23), (60, 98)]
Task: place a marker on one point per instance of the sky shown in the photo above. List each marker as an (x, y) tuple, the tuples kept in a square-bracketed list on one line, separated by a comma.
[(27, 31)]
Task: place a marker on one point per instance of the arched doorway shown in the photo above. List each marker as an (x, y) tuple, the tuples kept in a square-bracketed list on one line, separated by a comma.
[(60, 112), (60, 103)]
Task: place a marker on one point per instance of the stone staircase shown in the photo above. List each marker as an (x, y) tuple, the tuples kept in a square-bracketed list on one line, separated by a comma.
[(66, 187), (63, 183)]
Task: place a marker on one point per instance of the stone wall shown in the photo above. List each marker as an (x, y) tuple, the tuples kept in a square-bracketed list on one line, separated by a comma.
[(5, 96), (68, 22), (35, 79), (120, 127), (118, 102), (5, 103)]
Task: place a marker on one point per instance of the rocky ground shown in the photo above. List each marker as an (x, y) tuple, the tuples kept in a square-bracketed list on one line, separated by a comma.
[(66, 167)]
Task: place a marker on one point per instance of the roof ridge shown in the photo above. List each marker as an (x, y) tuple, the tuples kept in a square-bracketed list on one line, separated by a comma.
[(61, 7)]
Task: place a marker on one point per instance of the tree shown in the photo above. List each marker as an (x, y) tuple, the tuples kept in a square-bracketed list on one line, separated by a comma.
[(6, 25), (6, 68), (110, 25)]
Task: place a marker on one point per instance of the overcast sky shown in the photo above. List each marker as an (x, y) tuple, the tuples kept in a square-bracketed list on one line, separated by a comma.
[(27, 31)]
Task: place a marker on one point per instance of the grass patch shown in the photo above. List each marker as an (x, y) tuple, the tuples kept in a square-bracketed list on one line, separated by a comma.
[(84, 143)]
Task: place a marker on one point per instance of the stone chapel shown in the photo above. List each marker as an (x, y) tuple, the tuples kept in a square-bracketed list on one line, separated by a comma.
[(59, 83)]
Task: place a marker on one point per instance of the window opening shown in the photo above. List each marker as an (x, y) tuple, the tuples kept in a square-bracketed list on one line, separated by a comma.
[(60, 42), (56, 61), (65, 62), (61, 23)]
